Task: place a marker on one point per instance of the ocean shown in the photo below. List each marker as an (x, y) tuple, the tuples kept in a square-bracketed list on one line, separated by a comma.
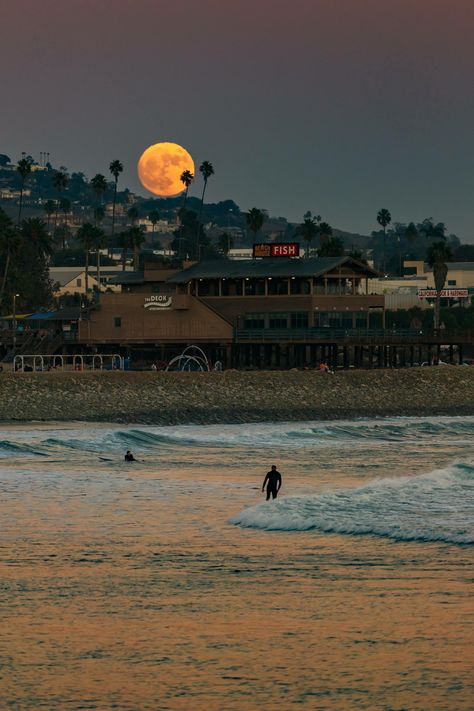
[(170, 583)]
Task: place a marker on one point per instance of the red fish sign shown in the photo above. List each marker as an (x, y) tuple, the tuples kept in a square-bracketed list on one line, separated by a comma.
[(276, 249)]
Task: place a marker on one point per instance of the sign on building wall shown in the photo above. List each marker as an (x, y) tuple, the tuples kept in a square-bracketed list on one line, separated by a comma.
[(280, 249), (445, 293), (157, 302)]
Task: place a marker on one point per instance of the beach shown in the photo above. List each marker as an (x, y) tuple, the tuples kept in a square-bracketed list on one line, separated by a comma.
[(234, 396), (170, 584)]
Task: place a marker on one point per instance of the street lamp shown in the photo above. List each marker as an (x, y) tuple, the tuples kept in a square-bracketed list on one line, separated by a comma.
[(14, 323)]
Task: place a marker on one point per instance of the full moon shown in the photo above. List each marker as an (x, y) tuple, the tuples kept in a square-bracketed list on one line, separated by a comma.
[(160, 168)]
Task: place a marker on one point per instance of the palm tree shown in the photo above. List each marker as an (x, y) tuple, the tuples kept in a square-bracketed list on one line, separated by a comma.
[(437, 255), (9, 241), (115, 168), (124, 242), (99, 186), (206, 169), (384, 218), (98, 242), (186, 178), (332, 247), (34, 231), (325, 232), (60, 183), (65, 207), (24, 169), (154, 218), (308, 230), (133, 214), (49, 208), (255, 219), (87, 235), (136, 238)]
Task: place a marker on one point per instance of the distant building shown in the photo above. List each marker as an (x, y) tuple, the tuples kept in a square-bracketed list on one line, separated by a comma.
[(72, 280)]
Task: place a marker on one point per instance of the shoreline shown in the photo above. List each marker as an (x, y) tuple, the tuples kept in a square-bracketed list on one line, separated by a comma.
[(233, 396)]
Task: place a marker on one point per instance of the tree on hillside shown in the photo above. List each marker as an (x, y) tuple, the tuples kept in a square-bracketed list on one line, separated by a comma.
[(154, 218), (255, 219), (60, 182), (34, 232), (115, 168), (384, 218), (99, 187), (9, 242), (332, 247), (24, 170), (136, 238), (225, 243), (325, 232), (49, 208), (206, 169), (133, 214), (87, 236), (308, 230), (437, 255)]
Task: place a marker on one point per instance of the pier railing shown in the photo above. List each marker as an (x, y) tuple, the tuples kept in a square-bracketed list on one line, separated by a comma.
[(353, 336)]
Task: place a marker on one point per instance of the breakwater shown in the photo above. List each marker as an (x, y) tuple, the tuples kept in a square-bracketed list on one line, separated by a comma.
[(234, 396)]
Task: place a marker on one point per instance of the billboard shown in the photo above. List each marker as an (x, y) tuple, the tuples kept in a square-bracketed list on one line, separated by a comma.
[(445, 293), (276, 249)]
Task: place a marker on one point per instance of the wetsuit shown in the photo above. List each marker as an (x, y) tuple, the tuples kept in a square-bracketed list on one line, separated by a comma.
[(273, 482), (129, 458)]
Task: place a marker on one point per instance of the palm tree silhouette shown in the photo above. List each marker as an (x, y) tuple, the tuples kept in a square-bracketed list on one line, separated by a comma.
[(99, 187), (87, 236), (154, 218), (49, 208), (186, 178), (308, 230), (115, 168), (136, 238), (9, 242), (24, 169), (33, 230), (133, 214), (437, 255), (255, 219), (60, 183), (384, 218), (206, 169)]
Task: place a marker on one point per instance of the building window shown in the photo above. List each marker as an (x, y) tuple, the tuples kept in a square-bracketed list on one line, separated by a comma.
[(451, 282), (117, 321), (163, 289), (299, 319), (254, 321), (278, 286), (78, 282), (277, 320)]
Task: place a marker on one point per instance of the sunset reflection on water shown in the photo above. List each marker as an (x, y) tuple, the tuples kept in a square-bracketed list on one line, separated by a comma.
[(127, 588)]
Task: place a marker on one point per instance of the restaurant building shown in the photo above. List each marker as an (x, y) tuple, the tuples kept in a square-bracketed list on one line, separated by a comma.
[(280, 312)]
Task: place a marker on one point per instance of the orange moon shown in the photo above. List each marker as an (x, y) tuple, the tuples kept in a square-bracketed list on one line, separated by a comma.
[(161, 166)]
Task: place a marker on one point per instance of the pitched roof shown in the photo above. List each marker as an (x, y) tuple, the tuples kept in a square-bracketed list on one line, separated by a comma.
[(240, 269)]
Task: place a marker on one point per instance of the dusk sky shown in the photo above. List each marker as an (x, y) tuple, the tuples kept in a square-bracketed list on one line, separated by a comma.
[(336, 106)]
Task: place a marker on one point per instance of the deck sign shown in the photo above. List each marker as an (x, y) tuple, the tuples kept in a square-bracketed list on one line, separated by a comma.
[(444, 294), (276, 249), (158, 302)]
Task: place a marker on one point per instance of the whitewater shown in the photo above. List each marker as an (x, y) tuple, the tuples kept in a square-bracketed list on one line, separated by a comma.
[(351, 590)]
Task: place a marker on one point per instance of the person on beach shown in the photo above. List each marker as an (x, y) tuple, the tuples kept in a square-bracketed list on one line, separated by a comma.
[(129, 456), (273, 483)]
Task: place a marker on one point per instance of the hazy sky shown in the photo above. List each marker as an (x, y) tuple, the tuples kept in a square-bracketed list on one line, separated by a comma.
[(337, 106)]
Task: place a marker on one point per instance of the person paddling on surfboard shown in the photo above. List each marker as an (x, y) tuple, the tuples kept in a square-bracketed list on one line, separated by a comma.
[(272, 482), (129, 456)]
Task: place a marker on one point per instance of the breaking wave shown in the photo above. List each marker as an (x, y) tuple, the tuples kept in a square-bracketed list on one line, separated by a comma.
[(438, 506)]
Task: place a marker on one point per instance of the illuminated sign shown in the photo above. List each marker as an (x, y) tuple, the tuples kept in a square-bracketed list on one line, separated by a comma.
[(445, 293), (160, 301), (273, 249)]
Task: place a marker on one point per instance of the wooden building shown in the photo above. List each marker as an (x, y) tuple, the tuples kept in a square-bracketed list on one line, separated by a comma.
[(261, 313)]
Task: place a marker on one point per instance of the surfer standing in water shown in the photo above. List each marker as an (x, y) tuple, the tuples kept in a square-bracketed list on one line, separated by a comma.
[(273, 482)]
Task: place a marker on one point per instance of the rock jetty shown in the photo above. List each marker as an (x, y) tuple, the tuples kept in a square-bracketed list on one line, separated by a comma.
[(234, 396)]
